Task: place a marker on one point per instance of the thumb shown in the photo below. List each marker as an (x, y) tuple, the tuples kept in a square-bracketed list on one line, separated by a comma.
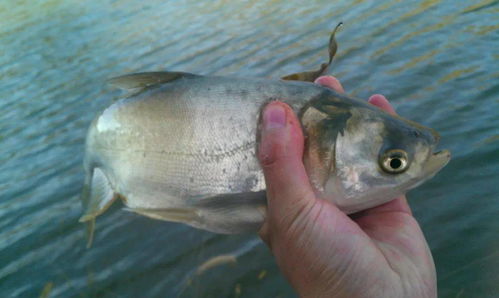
[(280, 153)]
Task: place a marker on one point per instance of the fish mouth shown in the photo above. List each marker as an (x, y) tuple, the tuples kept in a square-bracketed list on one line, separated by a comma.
[(437, 161)]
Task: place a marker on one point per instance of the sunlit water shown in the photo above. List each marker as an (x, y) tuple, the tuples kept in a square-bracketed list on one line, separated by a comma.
[(436, 60)]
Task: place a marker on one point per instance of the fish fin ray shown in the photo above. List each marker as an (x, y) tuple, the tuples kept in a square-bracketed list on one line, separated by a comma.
[(147, 79), (310, 76), (236, 212), (90, 230), (96, 197), (251, 199), (182, 215)]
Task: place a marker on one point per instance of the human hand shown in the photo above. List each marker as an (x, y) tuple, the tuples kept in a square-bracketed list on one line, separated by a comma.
[(379, 252)]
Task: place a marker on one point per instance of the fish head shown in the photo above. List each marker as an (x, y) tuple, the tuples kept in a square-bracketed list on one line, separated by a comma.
[(359, 156)]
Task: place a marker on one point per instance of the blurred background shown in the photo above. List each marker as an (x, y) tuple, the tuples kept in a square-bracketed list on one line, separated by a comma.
[(437, 61)]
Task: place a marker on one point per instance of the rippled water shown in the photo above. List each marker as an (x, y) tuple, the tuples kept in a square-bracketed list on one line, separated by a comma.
[(436, 60)]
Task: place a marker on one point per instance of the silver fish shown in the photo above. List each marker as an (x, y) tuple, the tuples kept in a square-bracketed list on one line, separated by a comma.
[(182, 148)]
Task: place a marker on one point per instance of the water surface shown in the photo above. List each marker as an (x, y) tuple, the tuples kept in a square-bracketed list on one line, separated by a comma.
[(437, 61)]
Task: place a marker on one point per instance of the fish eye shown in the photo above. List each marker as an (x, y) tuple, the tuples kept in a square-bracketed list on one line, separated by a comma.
[(394, 161)]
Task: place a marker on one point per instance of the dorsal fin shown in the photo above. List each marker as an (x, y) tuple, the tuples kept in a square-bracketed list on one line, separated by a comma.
[(147, 79)]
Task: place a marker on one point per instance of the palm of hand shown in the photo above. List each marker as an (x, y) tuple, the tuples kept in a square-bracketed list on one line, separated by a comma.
[(380, 252)]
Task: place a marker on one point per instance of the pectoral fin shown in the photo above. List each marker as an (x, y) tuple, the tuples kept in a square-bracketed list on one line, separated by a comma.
[(96, 197), (146, 79), (310, 76)]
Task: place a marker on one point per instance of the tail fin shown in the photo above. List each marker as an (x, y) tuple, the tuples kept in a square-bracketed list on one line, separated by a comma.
[(96, 197)]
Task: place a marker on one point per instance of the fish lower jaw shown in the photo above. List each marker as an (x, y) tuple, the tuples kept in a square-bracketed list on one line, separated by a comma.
[(363, 206), (351, 205)]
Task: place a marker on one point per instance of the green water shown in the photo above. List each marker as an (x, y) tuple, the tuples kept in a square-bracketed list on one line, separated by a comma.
[(436, 60)]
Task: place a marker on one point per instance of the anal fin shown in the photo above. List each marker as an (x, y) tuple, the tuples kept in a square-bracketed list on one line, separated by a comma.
[(183, 215)]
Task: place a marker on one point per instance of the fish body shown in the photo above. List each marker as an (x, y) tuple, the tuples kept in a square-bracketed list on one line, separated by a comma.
[(184, 148)]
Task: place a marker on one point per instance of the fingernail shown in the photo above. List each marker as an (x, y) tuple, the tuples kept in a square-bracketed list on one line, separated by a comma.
[(274, 116)]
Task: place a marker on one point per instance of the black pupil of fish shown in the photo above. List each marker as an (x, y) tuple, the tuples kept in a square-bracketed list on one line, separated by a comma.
[(395, 163)]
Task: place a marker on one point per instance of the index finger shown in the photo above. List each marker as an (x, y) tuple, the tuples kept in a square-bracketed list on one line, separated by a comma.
[(381, 102), (330, 82)]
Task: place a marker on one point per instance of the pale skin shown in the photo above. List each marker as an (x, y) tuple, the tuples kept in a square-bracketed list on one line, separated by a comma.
[(380, 252)]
